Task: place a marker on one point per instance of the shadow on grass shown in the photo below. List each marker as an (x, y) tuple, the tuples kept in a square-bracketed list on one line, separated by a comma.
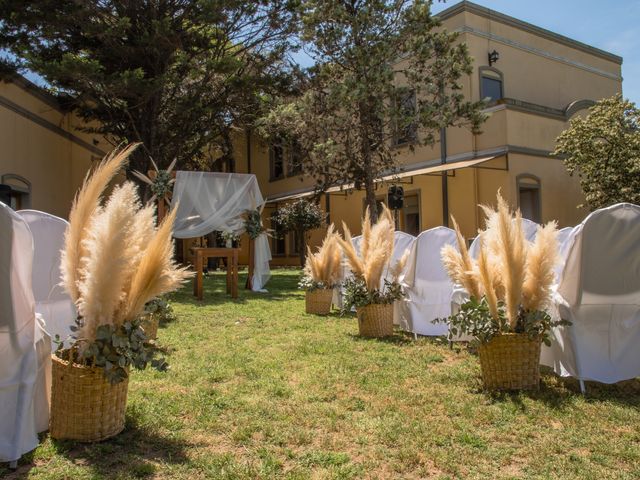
[(398, 338), (559, 392), (132, 453)]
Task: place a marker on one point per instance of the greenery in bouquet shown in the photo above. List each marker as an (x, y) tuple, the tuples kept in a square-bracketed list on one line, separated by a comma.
[(509, 284), (161, 185), (161, 309), (375, 279), (253, 223), (114, 261), (323, 269)]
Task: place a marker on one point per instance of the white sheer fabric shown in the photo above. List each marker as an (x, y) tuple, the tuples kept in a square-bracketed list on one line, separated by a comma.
[(599, 292), (565, 240), (212, 201), (25, 347), (52, 302), (428, 285)]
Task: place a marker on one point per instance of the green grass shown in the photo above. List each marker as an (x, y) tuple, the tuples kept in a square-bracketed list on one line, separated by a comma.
[(258, 389)]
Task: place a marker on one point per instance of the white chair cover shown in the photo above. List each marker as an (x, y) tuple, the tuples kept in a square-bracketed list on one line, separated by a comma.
[(212, 201), (402, 243), (25, 347), (52, 302), (599, 292), (565, 240), (428, 285)]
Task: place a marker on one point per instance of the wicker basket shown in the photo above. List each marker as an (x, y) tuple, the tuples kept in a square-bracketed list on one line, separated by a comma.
[(318, 301), (375, 320), (150, 325), (85, 406), (510, 362)]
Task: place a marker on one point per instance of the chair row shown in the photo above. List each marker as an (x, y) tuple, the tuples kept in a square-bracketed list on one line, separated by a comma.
[(598, 290), (33, 309)]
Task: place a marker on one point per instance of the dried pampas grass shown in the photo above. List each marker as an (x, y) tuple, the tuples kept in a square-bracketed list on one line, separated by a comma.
[(376, 249), (509, 269), (324, 266), (85, 204), (114, 258)]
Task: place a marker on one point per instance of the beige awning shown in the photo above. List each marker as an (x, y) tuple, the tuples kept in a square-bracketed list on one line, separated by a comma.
[(439, 168)]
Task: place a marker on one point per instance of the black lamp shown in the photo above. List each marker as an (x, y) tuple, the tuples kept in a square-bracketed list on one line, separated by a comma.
[(493, 57)]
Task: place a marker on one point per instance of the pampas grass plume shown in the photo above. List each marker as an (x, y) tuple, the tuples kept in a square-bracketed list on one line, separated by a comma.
[(540, 267)]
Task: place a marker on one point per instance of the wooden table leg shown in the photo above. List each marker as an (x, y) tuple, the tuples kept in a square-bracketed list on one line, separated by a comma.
[(229, 271), (199, 268), (234, 279)]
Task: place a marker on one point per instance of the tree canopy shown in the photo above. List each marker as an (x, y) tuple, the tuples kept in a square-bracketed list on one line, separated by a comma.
[(603, 148), (172, 74), (386, 73)]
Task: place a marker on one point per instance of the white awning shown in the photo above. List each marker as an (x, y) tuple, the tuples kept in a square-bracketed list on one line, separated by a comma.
[(433, 169)]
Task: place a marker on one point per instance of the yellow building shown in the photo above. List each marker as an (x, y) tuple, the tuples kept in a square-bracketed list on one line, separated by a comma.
[(44, 156), (536, 80)]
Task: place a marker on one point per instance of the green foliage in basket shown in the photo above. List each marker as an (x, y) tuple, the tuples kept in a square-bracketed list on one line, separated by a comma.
[(114, 350), (474, 318), (356, 293), (308, 284), (160, 309)]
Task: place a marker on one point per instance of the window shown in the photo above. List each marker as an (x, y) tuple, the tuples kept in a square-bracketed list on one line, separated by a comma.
[(411, 214), (276, 160), (15, 191), (294, 244), (278, 239), (295, 159), (529, 197), (406, 128), (490, 84)]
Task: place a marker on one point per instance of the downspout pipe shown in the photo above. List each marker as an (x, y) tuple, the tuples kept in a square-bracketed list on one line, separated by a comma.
[(444, 177)]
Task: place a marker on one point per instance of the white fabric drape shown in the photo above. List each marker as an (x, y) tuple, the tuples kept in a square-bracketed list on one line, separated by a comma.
[(212, 201), (25, 348), (52, 301), (428, 285), (599, 292)]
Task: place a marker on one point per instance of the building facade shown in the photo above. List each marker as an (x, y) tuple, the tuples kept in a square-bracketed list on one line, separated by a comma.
[(535, 81)]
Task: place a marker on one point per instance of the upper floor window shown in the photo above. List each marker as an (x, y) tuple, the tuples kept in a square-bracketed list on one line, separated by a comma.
[(295, 159), (276, 160), (529, 197), (406, 128), (491, 87)]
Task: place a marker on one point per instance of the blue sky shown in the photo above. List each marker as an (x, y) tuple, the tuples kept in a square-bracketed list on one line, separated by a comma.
[(612, 25)]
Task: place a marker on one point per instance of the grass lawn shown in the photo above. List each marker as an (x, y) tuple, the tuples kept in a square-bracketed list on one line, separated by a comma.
[(258, 389)]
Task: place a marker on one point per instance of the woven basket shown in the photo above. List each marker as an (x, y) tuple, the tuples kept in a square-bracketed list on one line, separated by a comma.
[(375, 320), (150, 325), (85, 406), (510, 362), (318, 301)]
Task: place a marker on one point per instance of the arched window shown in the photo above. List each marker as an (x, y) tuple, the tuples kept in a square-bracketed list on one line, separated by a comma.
[(15, 191), (491, 84), (529, 197)]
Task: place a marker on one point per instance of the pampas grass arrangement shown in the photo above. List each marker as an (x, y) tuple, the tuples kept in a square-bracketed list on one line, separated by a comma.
[(114, 259), (370, 264), (512, 277), (323, 269)]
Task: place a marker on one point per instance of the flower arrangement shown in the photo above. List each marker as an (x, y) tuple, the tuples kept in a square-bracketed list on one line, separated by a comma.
[(253, 223), (114, 261), (229, 237), (323, 269), (162, 184), (510, 287), (510, 282), (369, 265)]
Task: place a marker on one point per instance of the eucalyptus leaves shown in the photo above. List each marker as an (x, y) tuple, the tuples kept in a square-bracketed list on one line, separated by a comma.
[(253, 223)]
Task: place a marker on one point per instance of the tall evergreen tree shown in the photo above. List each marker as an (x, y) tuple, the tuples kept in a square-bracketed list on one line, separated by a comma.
[(385, 73), (172, 74)]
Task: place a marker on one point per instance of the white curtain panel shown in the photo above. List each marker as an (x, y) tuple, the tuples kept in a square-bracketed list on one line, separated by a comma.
[(599, 292), (52, 301), (212, 201), (25, 348), (428, 285)]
